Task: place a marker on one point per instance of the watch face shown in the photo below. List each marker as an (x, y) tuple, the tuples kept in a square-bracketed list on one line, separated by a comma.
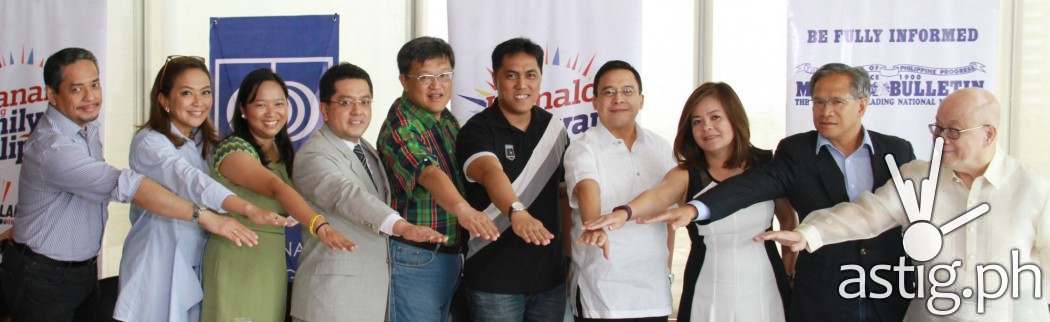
[(517, 206)]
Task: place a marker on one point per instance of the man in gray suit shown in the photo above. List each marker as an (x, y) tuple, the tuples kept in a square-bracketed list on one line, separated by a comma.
[(339, 173)]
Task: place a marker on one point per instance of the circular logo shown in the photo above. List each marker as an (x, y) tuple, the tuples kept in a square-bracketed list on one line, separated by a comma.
[(303, 108)]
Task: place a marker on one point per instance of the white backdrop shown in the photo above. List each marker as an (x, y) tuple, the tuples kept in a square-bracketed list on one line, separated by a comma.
[(577, 37), (30, 31), (915, 51)]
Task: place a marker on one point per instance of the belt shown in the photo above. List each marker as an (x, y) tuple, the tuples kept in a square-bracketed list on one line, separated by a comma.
[(43, 259), (440, 248)]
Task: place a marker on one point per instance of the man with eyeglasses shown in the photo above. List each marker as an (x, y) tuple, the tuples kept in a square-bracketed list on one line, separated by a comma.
[(340, 174), (818, 169), (511, 154), (417, 145), (606, 167), (1012, 234)]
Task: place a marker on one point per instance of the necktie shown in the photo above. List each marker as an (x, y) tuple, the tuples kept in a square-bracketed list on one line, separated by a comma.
[(364, 162)]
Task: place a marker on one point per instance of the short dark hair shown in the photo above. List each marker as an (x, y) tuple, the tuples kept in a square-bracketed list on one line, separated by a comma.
[(422, 49), (860, 82), (340, 72), (514, 46), (616, 65), (58, 61)]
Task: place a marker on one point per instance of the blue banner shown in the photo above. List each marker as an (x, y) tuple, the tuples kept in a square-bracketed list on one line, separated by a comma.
[(300, 49)]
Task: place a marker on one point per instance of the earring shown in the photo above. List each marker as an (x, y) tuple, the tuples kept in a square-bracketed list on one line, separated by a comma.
[(167, 111), (243, 117)]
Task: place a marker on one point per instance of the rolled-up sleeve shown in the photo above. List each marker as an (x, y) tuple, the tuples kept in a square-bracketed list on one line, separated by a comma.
[(127, 185), (406, 156), (157, 158)]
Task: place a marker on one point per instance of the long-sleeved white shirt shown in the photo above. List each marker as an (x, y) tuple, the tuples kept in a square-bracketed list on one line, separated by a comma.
[(1019, 220)]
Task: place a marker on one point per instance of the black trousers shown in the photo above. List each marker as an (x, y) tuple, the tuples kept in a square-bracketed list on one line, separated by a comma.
[(39, 289)]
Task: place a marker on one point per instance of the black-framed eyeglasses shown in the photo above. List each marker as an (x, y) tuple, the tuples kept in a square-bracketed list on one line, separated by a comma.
[(951, 133), (427, 79)]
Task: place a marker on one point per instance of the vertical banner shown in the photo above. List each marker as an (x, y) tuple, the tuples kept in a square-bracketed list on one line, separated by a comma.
[(30, 31), (917, 52), (577, 38), (299, 49)]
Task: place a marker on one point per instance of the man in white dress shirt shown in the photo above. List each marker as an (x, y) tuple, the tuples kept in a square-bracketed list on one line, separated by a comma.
[(973, 173), (606, 167)]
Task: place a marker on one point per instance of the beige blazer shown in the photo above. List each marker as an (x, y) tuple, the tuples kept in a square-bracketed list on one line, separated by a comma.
[(336, 285)]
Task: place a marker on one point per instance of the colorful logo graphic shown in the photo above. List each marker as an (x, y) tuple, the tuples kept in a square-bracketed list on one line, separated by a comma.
[(567, 91)]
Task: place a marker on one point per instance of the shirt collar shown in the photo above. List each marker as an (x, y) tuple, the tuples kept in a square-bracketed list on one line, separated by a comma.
[(350, 144), (606, 137), (502, 119), (195, 133), (66, 126), (418, 112), (822, 141), (996, 171)]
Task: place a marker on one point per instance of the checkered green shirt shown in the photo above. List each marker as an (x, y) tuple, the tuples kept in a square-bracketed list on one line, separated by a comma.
[(410, 140)]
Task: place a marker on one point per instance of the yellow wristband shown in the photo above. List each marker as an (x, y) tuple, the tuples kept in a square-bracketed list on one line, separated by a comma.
[(313, 221)]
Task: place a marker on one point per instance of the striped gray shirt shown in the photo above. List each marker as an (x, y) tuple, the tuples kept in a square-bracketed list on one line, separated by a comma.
[(64, 189)]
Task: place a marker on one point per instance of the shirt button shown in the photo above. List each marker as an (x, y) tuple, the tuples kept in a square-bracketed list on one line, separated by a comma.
[(863, 251)]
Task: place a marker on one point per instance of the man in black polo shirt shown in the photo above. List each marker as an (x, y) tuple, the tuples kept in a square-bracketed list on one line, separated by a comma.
[(511, 154)]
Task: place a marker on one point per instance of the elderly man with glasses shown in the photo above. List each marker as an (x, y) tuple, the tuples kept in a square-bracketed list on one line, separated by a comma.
[(989, 212)]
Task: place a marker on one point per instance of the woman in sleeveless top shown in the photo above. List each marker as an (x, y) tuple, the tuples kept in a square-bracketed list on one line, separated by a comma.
[(733, 278)]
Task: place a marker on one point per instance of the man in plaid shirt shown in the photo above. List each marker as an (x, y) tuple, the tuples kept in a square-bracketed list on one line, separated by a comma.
[(417, 144)]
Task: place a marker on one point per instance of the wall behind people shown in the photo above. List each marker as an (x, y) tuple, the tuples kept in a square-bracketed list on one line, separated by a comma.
[(669, 63), (121, 105), (370, 33), (746, 39)]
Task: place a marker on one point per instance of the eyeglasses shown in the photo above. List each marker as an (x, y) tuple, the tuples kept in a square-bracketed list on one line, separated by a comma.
[(175, 58), (951, 133), (427, 79), (835, 102), (350, 101), (610, 92)]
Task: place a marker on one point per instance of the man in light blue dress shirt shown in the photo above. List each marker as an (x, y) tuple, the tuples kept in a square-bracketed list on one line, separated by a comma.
[(49, 271)]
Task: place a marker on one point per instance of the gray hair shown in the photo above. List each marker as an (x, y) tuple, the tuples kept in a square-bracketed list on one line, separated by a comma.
[(860, 82)]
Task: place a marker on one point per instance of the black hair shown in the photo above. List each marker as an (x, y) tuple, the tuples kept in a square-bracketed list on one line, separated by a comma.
[(58, 61), (340, 72), (420, 50), (246, 94), (616, 65), (514, 46)]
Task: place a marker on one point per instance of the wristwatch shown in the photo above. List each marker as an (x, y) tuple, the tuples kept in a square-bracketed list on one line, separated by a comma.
[(515, 207), (197, 213)]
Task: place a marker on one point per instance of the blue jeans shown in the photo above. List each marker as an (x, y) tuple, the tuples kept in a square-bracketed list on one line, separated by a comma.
[(545, 306), (422, 282)]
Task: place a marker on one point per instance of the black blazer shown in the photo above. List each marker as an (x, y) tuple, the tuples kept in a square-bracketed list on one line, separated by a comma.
[(813, 181)]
